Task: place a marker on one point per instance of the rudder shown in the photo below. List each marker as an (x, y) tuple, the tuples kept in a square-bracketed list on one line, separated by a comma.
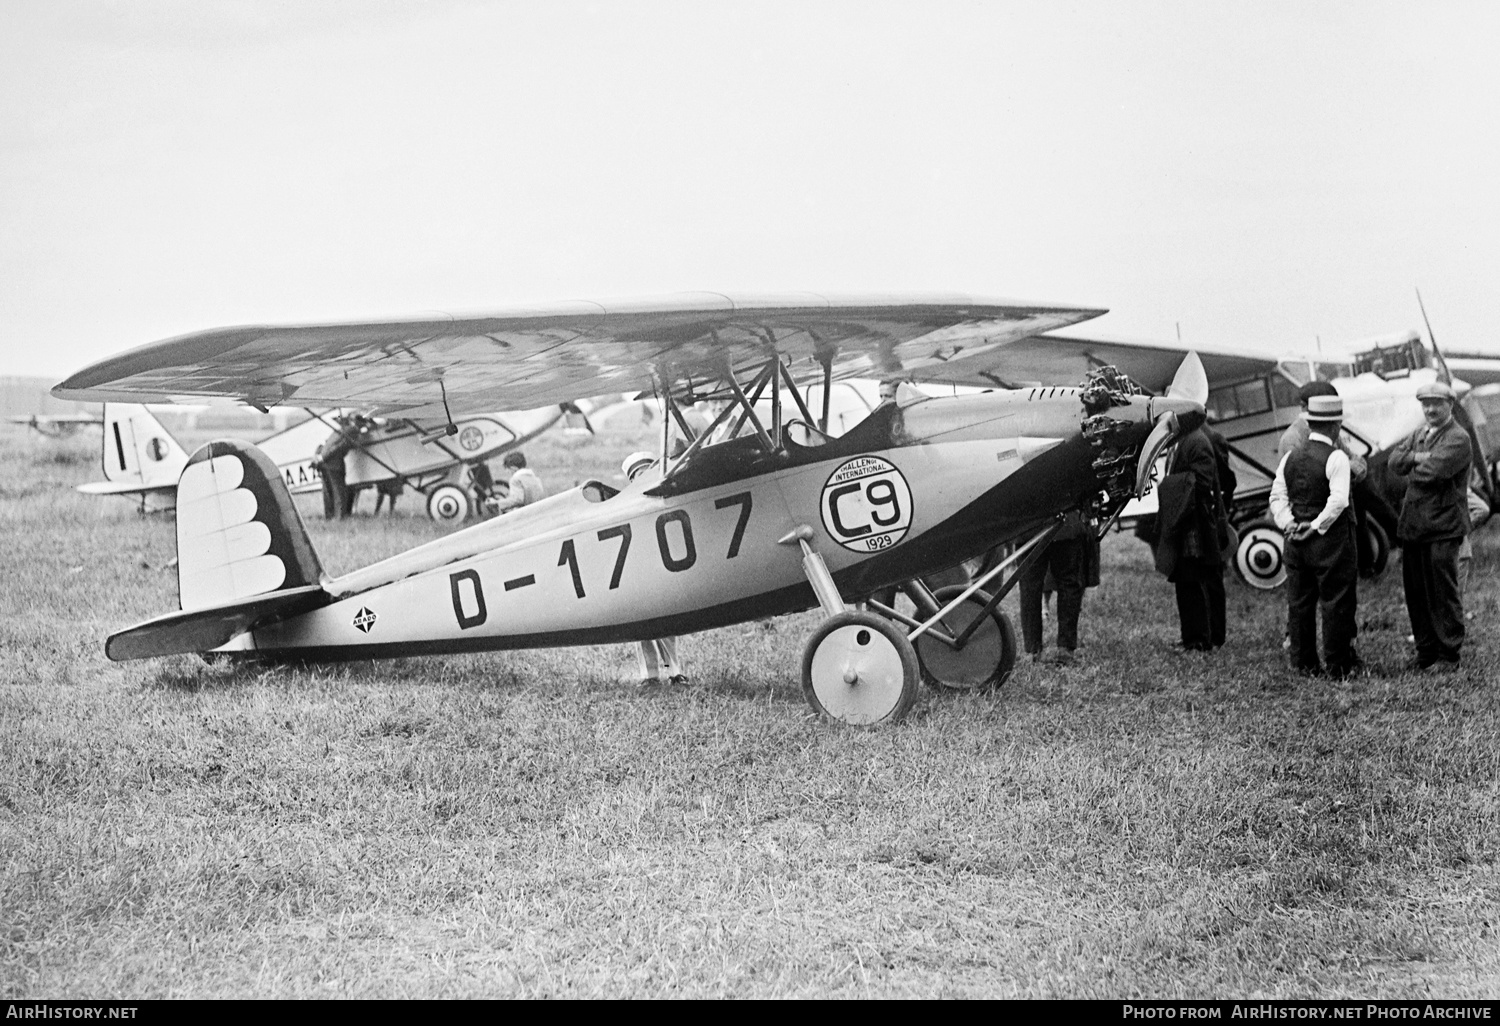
[(238, 532), (138, 449)]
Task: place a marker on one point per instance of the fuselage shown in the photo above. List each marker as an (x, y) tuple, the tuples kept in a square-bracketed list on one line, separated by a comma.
[(912, 490)]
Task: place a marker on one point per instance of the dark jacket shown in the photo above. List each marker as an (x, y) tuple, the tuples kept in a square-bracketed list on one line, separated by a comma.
[(1436, 503), (1191, 507)]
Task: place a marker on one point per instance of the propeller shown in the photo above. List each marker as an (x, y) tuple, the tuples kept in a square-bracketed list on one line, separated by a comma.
[(1156, 441), (1188, 393), (1444, 374), (1190, 382)]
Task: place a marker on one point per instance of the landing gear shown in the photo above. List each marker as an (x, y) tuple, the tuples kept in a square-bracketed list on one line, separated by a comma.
[(986, 660), (448, 504), (861, 668), (858, 668), (1260, 558), (1379, 547)]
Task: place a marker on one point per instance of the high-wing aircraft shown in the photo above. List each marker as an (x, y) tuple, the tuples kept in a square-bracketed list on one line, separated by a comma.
[(1252, 399), (142, 460), (58, 425), (432, 459), (775, 516)]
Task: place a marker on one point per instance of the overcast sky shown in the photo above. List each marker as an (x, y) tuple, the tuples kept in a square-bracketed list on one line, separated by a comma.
[(1261, 173)]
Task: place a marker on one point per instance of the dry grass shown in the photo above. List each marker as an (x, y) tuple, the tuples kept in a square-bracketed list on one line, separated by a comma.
[(1143, 825)]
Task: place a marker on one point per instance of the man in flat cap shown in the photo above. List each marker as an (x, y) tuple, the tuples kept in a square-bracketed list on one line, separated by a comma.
[(1310, 504), (1433, 524)]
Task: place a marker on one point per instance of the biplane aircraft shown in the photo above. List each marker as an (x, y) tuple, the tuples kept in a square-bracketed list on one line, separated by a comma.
[(142, 460), (1252, 399), (756, 517)]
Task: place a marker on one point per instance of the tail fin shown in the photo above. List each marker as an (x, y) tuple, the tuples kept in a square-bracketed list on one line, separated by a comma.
[(238, 533), (138, 450)]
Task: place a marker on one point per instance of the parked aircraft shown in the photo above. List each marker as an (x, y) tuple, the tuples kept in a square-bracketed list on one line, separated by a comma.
[(774, 516), (58, 425), (1252, 399), (427, 458), (142, 460)]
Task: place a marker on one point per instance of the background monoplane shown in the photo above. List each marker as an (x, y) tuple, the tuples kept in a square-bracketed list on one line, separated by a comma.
[(1252, 399)]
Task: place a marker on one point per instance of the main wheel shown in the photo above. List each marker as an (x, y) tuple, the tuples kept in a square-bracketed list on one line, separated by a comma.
[(1380, 546), (987, 658), (448, 504), (858, 668), (1260, 558)]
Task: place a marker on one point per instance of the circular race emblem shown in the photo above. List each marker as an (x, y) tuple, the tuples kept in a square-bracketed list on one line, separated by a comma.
[(866, 505), (156, 449), (470, 438)]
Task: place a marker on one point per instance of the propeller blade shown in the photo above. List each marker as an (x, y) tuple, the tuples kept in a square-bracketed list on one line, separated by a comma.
[(1191, 381), (1444, 374), (1161, 434)]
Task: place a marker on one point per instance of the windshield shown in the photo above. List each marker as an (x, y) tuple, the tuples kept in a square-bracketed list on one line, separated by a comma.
[(1297, 370)]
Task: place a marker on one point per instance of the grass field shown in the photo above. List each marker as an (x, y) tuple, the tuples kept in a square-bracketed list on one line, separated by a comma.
[(1144, 824)]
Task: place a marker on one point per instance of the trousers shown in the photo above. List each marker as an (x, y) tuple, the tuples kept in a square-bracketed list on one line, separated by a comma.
[(1068, 561), (1429, 572), (1201, 607), (1322, 573)]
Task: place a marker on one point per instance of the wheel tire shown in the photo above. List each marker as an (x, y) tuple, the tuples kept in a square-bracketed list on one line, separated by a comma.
[(987, 659), (1260, 558), (876, 654), (1380, 546), (448, 504)]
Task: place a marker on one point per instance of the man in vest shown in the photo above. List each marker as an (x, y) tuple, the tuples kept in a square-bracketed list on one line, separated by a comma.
[(1433, 524), (1310, 504)]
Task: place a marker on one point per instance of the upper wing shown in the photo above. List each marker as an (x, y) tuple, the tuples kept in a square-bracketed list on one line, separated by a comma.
[(1067, 360), (528, 358)]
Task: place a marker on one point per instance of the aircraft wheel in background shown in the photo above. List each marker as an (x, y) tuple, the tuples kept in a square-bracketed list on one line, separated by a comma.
[(859, 669), (1380, 546), (987, 658), (448, 504), (1260, 558)]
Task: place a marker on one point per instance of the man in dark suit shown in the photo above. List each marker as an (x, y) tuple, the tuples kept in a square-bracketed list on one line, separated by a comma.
[(1189, 550), (1433, 524), (338, 500), (1310, 504)]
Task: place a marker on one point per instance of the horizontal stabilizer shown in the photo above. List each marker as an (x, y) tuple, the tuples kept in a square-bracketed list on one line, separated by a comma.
[(203, 630), (123, 488)]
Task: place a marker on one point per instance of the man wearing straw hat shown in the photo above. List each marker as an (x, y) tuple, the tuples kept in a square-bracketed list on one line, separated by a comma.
[(1310, 504), (1434, 522)]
